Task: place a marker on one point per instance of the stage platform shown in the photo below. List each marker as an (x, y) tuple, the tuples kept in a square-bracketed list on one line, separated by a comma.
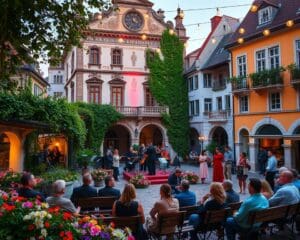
[(160, 177)]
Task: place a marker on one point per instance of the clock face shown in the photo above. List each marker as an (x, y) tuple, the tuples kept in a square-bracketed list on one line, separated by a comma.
[(133, 21)]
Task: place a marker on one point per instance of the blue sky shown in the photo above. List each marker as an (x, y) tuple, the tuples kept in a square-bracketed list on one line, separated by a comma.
[(198, 33)]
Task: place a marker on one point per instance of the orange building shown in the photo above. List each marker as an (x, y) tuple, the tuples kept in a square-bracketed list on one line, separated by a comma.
[(266, 96)]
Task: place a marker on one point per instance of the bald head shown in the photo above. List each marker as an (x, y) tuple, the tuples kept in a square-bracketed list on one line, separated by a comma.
[(286, 177)]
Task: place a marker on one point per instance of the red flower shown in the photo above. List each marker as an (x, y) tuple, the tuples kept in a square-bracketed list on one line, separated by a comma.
[(67, 216), (47, 224), (8, 207), (53, 209), (62, 233), (112, 225), (31, 227)]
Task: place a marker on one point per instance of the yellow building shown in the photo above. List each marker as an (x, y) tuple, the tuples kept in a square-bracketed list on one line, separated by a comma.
[(267, 98)]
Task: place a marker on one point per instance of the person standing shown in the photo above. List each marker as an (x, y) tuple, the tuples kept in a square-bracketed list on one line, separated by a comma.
[(218, 173), (271, 168), (203, 159), (228, 158), (262, 158), (142, 150), (108, 158), (116, 164), (242, 172), (151, 158)]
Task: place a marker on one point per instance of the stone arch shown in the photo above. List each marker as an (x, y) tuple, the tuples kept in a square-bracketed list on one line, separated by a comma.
[(243, 128), (268, 129), (294, 127), (152, 135), (267, 121), (219, 135), (194, 139), (244, 140)]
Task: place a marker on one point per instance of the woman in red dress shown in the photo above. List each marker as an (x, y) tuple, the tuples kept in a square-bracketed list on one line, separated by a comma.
[(218, 173)]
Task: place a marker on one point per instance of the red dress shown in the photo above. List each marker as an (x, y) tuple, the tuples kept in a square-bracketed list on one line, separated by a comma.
[(218, 173)]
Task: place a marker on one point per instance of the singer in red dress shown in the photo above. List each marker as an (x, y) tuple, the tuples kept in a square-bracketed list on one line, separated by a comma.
[(218, 173)]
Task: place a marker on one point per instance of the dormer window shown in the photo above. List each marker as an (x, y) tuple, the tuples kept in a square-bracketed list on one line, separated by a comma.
[(265, 15)]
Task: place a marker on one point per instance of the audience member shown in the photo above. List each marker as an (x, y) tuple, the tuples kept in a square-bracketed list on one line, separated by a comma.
[(296, 180), (242, 171), (28, 183), (271, 168), (256, 201), (215, 200), (109, 190), (85, 190), (266, 189), (185, 197), (174, 180), (231, 195), (288, 193), (276, 183), (58, 200), (228, 159), (164, 205)]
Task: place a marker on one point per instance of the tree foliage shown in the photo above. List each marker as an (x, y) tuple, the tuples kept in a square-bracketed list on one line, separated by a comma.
[(31, 29), (169, 88)]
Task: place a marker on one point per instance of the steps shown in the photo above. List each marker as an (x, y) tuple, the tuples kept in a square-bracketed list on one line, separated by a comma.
[(160, 177)]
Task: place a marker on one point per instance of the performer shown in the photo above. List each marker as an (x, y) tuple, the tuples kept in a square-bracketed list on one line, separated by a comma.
[(218, 173), (151, 158), (203, 159), (131, 159), (143, 164)]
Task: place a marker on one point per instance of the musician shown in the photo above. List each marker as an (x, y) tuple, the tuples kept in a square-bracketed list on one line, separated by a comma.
[(131, 159), (151, 158), (143, 164)]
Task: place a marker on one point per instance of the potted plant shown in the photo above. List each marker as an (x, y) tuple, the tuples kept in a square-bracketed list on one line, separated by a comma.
[(98, 176), (9, 179), (139, 181), (191, 177), (84, 159)]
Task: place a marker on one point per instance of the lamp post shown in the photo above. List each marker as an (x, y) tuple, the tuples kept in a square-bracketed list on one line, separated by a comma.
[(202, 138)]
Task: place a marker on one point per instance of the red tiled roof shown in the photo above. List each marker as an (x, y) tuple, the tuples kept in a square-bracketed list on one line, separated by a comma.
[(287, 10)]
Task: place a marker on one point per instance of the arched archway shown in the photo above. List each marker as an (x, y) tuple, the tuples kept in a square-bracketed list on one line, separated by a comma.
[(151, 134), (4, 151), (118, 136), (244, 140), (194, 140), (220, 136)]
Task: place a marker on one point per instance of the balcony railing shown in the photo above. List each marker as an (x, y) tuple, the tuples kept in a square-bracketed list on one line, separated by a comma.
[(219, 86), (267, 79), (146, 111), (295, 74), (219, 116), (239, 84)]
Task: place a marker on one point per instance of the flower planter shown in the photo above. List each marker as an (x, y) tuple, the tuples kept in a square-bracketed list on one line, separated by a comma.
[(141, 186), (98, 183)]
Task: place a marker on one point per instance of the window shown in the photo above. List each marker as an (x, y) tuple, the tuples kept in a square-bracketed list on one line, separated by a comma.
[(94, 93), (194, 108), (298, 52), (260, 60), (196, 82), (207, 105), (274, 57), (58, 79), (242, 66), (207, 80), (197, 107), (244, 104), (94, 56), (219, 103), (264, 15), (37, 90), (72, 62), (149, 99), (116, 56), (57, 94), (274, 101), (227, 102), (117, 96), (190, 84), (72, 92)]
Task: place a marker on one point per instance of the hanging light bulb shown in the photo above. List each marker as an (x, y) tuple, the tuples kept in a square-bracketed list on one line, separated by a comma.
[(120, 40), (240, 40), (144, 37), (242, 30), (253, 8), (213, 40), (289, 23), (171, 31), (266, 32)]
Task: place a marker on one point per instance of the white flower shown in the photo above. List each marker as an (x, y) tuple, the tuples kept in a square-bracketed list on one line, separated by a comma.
[(44, 232)]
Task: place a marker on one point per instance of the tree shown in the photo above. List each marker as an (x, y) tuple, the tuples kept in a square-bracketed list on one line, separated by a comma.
[(31, 29), (169, 88)]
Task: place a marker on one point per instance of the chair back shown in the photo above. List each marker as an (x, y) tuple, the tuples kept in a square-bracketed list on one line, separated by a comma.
[(293, 210), (216, 216), (189, 210), (96, 202), (133, 222), (167, 222), (234, 207)]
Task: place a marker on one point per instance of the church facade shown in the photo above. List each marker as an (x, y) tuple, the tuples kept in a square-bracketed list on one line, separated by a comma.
[(110, 68)]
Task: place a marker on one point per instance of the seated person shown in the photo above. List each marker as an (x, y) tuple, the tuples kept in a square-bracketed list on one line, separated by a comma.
[(58, 200), (84, 191), (214, 200), (109, 190), (28, 183), (277, 184), (266, 189), (164, 205), (185, 197), (288, 193), (296, 180), (126, 206), (231, 195), (174, 180), (256, 201)]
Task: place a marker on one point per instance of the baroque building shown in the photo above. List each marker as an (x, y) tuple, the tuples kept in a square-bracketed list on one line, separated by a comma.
[(110, 68)]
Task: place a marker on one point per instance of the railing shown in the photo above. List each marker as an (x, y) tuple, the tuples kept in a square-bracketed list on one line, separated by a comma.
[(218, 116), (218, 86), (266, 78), (240, 84), (295, 75), (146, 111)]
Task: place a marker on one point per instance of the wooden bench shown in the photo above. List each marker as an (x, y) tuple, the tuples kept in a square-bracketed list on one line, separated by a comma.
[(96, 204), (189, 210), (170, 223), (133, 223), (234, 207)]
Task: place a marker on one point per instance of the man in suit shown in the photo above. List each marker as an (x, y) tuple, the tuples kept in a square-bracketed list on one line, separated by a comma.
[(109, 190), (28, 183), (84, 191), (151, 158), (174, 180)]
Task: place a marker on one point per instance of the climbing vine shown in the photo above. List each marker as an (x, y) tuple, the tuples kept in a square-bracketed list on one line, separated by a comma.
[(169, 88)]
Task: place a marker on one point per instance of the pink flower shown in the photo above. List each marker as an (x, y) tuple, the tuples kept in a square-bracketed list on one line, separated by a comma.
[(94, 230), (130, 238), (27, 204)]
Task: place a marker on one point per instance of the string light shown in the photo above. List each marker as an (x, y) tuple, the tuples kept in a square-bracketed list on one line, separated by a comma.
[(213, 40), (120, 40), (144, 37), (171, 31), (240, 40), (266, 32), (242, 30), (289, 23), (253, 8)]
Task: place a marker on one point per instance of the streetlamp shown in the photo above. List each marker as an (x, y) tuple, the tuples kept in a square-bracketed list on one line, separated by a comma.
[(202, 138)]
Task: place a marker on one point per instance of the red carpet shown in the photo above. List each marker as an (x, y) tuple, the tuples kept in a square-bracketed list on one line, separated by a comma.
[(159, 178)]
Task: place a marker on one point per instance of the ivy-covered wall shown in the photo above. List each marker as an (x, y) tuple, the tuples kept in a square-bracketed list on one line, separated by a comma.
[(169, 88)]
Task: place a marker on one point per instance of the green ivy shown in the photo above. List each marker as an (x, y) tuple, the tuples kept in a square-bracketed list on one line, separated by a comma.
[(169, 89)]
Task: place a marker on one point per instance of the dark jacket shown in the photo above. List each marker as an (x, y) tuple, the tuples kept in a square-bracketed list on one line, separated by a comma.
[(109, 192), (84, 191), (174, 181), (30, 193)]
